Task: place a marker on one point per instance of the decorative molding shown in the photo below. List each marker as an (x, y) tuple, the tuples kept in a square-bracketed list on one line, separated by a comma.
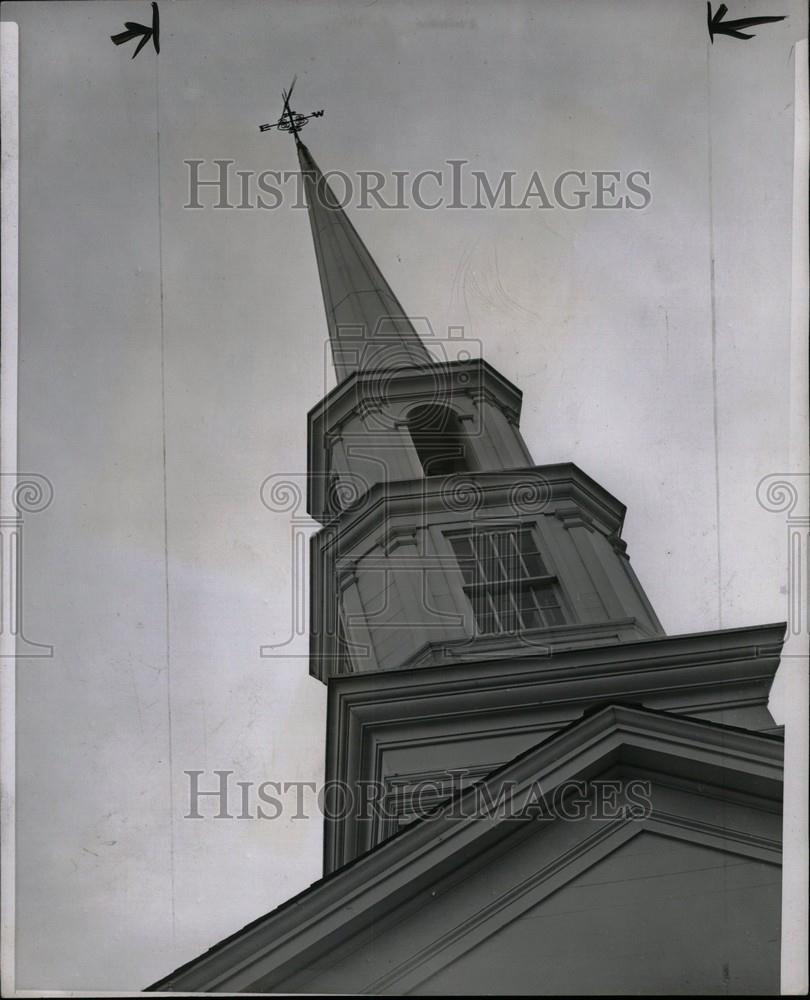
[(530, 642), (397, 537), (726, 835), (563, 485), (366, 409), (573, 517), (484, 394), (346, 576), (535, 695)]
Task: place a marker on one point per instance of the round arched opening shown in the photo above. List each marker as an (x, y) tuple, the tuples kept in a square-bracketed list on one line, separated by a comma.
[(439, 439)]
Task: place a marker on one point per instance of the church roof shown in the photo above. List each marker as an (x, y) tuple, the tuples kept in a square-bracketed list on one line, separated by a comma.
[(721, 760), (368, 328)]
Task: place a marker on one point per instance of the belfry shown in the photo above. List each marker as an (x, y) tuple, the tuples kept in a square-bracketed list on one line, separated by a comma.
[(531, 787)]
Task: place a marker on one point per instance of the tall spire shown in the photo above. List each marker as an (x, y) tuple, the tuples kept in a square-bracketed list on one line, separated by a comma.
[(368, 328)]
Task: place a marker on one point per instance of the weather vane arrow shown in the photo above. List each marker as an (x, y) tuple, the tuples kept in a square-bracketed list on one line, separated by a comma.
[(290, 121), (134, 29), (717, 26)]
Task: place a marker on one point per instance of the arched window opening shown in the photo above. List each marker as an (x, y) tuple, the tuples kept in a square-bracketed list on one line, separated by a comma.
[(440, 441)]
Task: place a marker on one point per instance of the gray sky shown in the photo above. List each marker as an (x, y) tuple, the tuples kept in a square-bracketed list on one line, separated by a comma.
[(603, 319)]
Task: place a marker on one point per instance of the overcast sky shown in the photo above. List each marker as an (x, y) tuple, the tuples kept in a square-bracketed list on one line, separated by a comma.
[(602, 318)]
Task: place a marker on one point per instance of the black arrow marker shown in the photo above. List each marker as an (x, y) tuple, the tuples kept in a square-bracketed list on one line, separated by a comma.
[(134, 29), (717, 26)]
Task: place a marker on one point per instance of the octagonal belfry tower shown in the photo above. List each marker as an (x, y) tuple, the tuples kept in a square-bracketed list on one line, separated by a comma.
[(493, 666)]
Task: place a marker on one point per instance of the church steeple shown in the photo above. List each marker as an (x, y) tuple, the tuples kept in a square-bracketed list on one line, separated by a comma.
[(441, 538), (368, 328)]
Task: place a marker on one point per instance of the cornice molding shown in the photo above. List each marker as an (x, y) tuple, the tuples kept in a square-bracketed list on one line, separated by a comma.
[(529, 642), (398, 537), (464, 376), (572, 517), (535, 696), (529, 490)]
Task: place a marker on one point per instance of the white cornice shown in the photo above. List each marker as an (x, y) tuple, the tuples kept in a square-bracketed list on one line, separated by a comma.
[(535, 695)]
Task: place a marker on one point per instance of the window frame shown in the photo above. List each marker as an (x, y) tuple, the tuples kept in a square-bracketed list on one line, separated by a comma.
[(510, 584)]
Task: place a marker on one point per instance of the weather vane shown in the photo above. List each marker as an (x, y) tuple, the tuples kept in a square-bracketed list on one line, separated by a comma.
[(290, 121)]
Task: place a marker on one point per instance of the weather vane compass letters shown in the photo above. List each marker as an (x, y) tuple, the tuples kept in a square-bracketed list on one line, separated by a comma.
[(290, 121)]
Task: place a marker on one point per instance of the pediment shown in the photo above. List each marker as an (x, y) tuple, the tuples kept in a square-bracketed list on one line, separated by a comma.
[(714, 787)]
